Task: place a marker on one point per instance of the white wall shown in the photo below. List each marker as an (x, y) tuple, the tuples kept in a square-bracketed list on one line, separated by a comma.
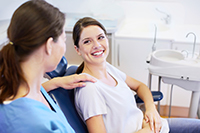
[(91, 7), (7, 7), (192, 11), (182, 11)]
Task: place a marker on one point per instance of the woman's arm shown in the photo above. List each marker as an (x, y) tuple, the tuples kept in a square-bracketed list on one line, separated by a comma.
[(95, 124), (151, 114), (67, 82)]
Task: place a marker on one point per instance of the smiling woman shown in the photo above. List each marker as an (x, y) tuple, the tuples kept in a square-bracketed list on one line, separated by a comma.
[(108, 105)]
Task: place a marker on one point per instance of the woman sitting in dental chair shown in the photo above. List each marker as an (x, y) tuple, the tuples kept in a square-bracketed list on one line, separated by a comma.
[(108, 105)]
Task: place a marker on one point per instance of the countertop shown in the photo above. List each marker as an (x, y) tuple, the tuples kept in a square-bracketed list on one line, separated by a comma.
[(127, 28), (146, 30), (111, 26)]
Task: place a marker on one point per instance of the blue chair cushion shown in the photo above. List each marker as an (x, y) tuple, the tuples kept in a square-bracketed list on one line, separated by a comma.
[(60, 69), (157, 96), (65, 100)]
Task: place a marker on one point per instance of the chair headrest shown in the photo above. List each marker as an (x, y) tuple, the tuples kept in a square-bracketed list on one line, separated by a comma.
[(71, 70), (60, 69)]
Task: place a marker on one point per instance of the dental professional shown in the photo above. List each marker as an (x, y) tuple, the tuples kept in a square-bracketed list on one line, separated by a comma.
[(108, 105), (36, 45)]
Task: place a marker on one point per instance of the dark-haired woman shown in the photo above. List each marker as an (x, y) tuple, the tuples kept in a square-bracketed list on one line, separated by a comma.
[(108, 105), (36, 45)]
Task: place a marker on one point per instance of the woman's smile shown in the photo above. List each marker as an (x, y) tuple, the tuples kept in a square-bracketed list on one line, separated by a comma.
[(98, 53)]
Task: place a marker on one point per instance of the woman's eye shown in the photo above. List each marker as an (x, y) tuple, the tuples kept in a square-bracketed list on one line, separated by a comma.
[(86, 42), (101, 37)]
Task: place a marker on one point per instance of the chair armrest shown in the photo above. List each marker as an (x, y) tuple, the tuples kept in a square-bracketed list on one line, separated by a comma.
[(157, 96)]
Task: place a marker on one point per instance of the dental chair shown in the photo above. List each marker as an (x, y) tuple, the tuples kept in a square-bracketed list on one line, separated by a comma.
[(65, 98)]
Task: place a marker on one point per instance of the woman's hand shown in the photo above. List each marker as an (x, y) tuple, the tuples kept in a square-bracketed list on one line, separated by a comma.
[(152, 117), (146, 125), (145, 128), (68, 82)]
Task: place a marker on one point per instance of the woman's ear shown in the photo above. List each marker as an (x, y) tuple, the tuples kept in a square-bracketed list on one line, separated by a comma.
[(49, 46), (77, 50)]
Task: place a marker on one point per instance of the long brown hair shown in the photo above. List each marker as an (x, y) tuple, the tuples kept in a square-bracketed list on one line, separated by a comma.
[(78, 28), (30, 27)]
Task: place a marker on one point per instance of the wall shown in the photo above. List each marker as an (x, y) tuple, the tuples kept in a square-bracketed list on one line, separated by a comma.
[(182, 11), (7, 7), (146, 11), (90, 7), (192, 11)]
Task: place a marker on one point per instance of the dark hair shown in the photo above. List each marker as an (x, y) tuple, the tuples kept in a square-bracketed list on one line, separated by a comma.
[(31, 25), (77, 30)]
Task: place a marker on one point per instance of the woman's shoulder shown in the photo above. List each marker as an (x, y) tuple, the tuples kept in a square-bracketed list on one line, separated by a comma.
[(90, 87), (22, 106), (89, 84), (25, 114), (19, 112)]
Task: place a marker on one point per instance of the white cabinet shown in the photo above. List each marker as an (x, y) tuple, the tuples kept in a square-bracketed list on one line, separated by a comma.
[(130, 56)]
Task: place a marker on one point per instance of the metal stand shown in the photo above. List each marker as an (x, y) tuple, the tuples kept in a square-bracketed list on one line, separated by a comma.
[(149, 81), (170, 104), (159, 86), (194, 104)]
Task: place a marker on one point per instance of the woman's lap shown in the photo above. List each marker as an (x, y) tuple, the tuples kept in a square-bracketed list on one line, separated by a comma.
[(184, 125)]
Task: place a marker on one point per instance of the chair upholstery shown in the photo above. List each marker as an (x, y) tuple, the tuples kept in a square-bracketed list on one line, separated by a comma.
[(60, 69), (157, 96), (65, 98)]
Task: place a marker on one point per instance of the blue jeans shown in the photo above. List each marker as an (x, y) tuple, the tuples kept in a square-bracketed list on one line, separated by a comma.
[(184, 125)]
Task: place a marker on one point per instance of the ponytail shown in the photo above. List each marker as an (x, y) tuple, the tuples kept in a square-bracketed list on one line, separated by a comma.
[(80, 68), (30, 27), (11, 73)]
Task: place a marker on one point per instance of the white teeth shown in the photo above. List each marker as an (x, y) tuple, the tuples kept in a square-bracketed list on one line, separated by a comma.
[(98, 53)]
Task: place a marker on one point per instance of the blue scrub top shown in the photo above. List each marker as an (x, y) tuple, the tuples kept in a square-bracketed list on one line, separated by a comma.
[(25, 115)]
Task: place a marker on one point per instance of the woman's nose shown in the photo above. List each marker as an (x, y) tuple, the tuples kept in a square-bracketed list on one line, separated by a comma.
[(96, 44)]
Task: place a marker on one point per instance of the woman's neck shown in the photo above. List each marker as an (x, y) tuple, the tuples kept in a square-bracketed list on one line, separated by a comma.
[(96, 70), (34, 80), (33, 74), (100, 72)]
